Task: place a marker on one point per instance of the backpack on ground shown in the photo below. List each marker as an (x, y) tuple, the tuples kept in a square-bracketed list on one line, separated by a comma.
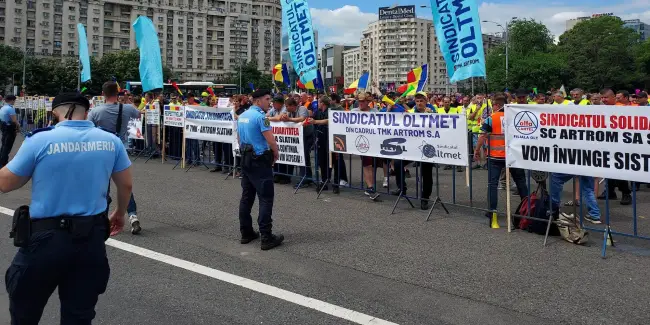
[(538, 209)]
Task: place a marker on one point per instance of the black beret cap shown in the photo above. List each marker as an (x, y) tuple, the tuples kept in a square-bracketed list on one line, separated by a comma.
[(261, 93), (278, 99), (70, 98)]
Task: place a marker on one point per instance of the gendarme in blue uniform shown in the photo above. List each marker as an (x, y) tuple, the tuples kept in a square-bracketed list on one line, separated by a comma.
[(250, 126), (70, 167), (6, 112), (8, 130)]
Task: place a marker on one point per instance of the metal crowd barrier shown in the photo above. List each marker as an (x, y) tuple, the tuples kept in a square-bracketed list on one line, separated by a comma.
[(466, 190)]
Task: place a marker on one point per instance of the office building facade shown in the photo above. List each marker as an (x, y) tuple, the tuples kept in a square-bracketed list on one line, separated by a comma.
[(199, 39)]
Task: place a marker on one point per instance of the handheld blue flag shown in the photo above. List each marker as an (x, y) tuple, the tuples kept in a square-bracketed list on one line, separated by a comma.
[(302, 46), (84, 58), (151, 74), (458, 28), (251, 86)]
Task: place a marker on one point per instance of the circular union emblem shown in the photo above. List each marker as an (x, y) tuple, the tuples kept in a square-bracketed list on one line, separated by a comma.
[(362, 144)]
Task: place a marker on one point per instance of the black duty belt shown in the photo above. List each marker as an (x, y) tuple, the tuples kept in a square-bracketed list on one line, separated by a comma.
[(66, 222)]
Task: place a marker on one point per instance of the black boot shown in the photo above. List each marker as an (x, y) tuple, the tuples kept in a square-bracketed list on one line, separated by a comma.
[(247, 237), (271, 241), (626, 199), (335, 189), (424, 204)]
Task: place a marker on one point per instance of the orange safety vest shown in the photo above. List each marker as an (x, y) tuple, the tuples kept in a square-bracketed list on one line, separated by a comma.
[(497, 138)]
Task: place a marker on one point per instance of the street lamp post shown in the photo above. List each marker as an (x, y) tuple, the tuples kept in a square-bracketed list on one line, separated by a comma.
[(507, 39)]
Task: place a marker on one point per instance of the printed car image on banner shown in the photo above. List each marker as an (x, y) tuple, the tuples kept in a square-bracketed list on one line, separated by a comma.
[(458, 28), (209, 124), (605, 141), (302, 46), (173, 116), (289, 137), (434, 138), (135, 129)]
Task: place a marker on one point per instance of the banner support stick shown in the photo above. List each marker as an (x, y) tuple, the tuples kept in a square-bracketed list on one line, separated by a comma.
[(550, 210), (183, 156), (163, 144), (508, 195)]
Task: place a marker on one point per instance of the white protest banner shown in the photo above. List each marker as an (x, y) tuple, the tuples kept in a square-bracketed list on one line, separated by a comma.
[(223, 102), (96, 101), (599, 141), (48, 103), (289, 137), (135, 129), (235, 143), (173, 116), (434, 138), (152, 114), (209, 124)]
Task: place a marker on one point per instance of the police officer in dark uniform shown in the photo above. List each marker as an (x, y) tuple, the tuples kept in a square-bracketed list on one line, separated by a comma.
[(61, 233), (259, 152)]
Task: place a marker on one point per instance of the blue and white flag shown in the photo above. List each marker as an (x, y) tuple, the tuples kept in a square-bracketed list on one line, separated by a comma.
[(302, 45), (84, 58), (458, 28), (151, 73)]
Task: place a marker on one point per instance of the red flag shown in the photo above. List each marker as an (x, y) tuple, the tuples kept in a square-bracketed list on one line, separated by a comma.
[(209, 89), (176, 87), (300, 84)]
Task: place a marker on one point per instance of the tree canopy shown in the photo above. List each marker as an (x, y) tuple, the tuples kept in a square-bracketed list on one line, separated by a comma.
[(50, 76), (594, 54)]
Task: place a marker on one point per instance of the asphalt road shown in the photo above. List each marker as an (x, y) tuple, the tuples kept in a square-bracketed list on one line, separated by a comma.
[(346, 251)]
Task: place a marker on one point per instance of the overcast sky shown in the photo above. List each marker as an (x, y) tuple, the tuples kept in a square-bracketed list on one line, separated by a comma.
[(341, 21)]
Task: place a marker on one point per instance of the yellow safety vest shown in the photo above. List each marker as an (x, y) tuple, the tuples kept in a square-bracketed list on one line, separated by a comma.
[(584, 102), (452, 110), (566, 102), (475, 125)]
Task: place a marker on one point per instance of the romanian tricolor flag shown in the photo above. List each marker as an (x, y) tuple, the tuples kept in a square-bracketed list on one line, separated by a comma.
[(418, 77), (361, 83), (314, 84), (172, 107), (281, 73)]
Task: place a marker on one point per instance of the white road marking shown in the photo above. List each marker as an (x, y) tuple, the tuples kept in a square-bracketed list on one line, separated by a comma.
[(298, 299)]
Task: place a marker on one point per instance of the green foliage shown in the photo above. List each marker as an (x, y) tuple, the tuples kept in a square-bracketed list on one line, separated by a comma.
[(601, 53), (594, 54), (49, 76), (529, 37), (250, 73)]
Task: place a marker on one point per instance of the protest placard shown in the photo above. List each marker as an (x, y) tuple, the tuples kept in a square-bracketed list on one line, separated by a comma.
[(135, 129), (173, 116), (289, 137), (434, 138), (152, 114), (223, 102), (209, 124), (601, 141)]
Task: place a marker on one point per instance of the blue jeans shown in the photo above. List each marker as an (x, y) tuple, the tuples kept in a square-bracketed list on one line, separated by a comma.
[(494, 171), (131, 209), (587, 194)]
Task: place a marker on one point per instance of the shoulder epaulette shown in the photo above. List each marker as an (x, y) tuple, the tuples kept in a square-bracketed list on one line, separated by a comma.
[(49, 128)]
